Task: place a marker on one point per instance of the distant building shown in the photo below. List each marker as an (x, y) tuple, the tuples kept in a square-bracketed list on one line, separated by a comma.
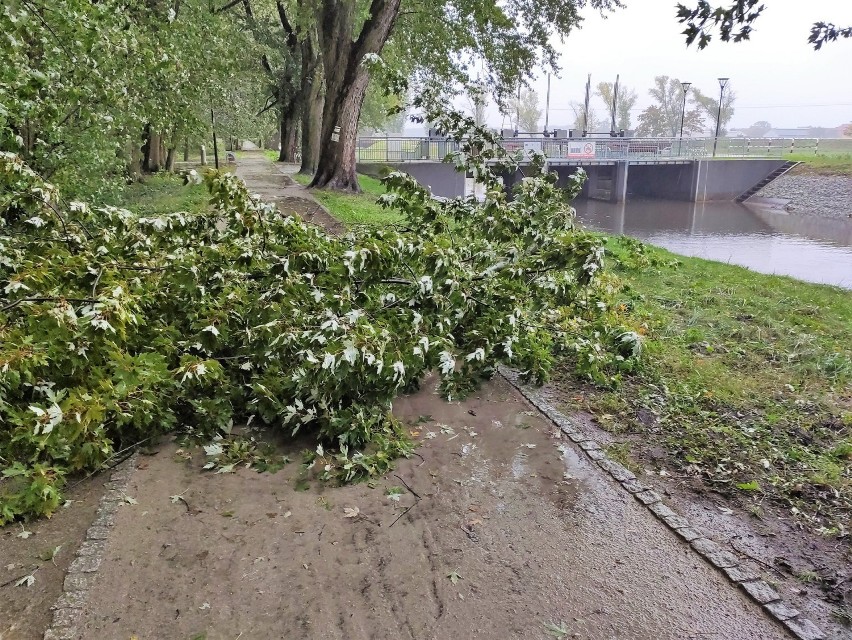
[(806, 132)]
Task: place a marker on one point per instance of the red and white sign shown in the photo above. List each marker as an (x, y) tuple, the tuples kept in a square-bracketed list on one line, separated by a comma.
[(580, 149)]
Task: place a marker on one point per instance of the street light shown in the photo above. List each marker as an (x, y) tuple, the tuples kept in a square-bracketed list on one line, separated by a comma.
[(685, 88), (723, 82)]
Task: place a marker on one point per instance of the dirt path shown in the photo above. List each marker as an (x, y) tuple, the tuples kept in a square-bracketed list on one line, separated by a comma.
[(496, 528), (535, 534), (273, 182)]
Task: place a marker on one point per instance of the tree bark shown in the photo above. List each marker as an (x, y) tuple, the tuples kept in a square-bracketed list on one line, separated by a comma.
[(289, 130), (346, 83), (312, 107), (152, 160), (170, 159)]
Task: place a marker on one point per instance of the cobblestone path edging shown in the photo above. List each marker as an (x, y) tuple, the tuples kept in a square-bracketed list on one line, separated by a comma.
[(728, 563), (81, 575)]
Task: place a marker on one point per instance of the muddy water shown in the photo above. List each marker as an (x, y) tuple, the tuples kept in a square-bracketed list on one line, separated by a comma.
[(767, 240)]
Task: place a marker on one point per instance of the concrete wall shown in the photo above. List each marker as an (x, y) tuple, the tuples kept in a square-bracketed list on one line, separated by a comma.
[(728, 179), (698, 181), (664, 181), (441, 178)]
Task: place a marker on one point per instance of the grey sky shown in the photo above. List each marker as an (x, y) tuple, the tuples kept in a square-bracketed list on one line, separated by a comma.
[(777, 76)]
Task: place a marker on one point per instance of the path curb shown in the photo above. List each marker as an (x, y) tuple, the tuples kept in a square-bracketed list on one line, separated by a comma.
[(727, 563), (82, 574)]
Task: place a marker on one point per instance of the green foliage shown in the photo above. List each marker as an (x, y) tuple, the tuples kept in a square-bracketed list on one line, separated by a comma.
[(663, 117), (357, 209), (118, 325), (745, 383), (824, 164), (80, 80)]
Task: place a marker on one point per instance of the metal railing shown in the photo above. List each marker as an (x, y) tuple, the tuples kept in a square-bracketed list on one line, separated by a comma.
[(400, 149)]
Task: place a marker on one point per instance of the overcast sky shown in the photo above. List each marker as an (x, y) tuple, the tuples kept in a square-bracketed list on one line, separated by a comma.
[(777, 76)]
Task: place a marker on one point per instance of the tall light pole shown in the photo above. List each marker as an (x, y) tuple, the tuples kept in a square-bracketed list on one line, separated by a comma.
[(723, 82), (685, 88), (547, 108)]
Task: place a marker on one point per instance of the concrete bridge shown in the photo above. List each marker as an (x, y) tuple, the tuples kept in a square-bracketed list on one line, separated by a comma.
[(666, 168)]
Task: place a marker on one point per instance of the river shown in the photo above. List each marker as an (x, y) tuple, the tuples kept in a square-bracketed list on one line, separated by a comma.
[(809, 248)]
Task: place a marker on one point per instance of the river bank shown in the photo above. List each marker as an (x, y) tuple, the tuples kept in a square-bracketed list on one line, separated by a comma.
[(814, 191), (743, 399)]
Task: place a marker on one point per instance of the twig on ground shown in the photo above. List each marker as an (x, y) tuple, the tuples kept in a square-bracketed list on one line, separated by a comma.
[(413, 492), (402, 514), (763, 563)]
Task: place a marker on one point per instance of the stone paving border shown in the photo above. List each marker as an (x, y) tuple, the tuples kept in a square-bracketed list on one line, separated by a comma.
[(81, 575), (729, 564)]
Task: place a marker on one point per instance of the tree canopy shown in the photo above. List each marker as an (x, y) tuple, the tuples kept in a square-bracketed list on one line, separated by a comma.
[(81, 82), (663, 117), (735, 22)]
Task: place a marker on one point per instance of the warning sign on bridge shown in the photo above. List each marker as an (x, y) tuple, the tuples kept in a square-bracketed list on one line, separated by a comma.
[(580, 149)]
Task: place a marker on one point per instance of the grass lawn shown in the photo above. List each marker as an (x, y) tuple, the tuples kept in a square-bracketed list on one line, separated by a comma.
[(746, 380), (825, 164), (162, 193), (356, 209)]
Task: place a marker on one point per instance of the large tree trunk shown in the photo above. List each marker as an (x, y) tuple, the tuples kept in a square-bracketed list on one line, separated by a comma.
[(312, 107), (170, 159), (289, 133), (346, 84)]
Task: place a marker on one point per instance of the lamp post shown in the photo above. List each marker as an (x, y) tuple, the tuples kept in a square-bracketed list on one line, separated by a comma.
[(723, 82), (685, 88)]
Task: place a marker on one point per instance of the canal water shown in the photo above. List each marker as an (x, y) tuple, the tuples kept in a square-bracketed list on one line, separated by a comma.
[(810, 248)]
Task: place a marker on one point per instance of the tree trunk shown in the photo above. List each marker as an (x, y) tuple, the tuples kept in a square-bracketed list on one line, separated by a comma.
[(312, 132), (312, 86), (170, 159), (135, 159), (346, 84), (289, 127), (152, 162), (336, 162), (186, 150)]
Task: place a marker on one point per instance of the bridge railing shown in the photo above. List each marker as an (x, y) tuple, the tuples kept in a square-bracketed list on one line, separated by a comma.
[(409, 149)]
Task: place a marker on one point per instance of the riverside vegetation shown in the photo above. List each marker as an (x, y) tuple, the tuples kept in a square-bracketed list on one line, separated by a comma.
[(745, 378), (118, 325)]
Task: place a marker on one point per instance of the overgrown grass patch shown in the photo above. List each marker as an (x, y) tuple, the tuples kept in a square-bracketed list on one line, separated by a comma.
[(746, 381), (163, 193)]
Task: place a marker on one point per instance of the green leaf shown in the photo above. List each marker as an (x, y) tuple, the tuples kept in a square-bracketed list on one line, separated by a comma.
[(752, 485)]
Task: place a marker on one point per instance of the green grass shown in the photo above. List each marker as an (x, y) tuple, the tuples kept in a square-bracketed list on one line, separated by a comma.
[(749, 378), (162, 193), (356, 209), (823, 164)]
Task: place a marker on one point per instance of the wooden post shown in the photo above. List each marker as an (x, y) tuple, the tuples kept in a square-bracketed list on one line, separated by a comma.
[(203, 156)]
